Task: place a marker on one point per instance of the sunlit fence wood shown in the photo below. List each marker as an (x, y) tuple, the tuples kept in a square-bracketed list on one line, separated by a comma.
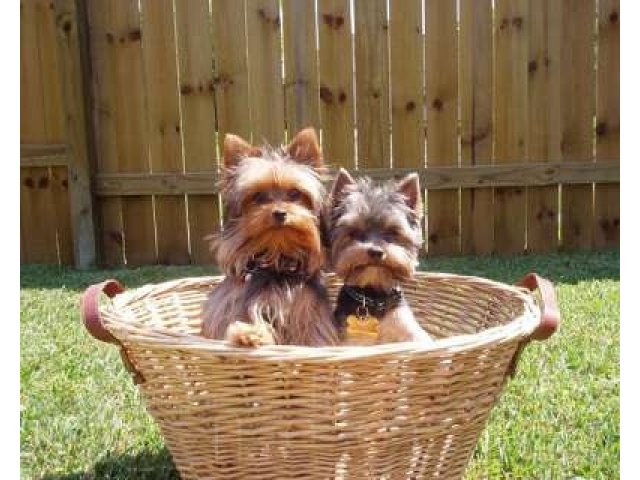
[(508, 110)]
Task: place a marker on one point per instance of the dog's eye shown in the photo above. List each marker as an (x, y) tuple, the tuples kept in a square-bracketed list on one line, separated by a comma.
[(260, 197), (390, 235), (294, 194), (357, 235)]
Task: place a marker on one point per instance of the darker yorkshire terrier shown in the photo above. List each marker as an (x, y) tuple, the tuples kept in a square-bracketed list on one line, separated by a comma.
[(271, 248), (375, 239)]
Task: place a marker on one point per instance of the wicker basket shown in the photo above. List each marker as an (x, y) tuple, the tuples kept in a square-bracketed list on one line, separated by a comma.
[(390, 411)]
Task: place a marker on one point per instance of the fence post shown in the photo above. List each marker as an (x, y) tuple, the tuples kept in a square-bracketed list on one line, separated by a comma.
[(73, 54)]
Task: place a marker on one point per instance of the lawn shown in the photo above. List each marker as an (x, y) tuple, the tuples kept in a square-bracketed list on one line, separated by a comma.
[(81, 417)]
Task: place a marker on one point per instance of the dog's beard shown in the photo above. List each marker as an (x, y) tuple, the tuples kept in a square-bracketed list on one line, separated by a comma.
[(356, 267), (256, 237)]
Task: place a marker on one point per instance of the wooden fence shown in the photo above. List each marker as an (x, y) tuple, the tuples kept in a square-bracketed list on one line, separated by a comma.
[(508, 109)]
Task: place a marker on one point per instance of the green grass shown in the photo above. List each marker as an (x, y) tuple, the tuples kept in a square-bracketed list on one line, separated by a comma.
[(81, 417)]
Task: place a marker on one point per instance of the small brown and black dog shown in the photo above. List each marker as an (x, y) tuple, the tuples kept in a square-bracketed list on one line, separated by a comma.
[(271, 248), (375, 238)]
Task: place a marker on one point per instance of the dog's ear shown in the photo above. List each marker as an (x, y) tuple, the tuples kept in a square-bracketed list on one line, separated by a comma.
[(342, 180), (409, 187), (236, 148), (305, 148)]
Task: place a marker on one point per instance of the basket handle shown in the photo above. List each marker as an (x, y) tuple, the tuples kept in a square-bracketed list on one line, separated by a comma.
[(91, 312), (550, 313), (94, 325)]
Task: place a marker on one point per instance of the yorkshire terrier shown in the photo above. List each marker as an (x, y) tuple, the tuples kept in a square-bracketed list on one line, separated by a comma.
[(271, 247), (375, 238)]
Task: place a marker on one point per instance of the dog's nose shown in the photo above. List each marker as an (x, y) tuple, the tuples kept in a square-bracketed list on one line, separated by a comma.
[(279, 216), (375, 253)]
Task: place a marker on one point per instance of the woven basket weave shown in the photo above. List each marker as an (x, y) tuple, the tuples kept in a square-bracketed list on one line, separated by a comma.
[(389, 411)]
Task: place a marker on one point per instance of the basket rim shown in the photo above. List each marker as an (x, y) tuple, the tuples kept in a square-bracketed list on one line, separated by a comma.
[(519, 328)]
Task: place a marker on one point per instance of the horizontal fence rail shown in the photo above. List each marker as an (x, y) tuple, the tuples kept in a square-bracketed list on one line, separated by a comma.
[(432, 178), (507, 109)]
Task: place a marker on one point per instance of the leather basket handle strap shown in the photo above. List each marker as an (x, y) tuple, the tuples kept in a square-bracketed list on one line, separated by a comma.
[(550, 313), (91, 311), (95, 326)]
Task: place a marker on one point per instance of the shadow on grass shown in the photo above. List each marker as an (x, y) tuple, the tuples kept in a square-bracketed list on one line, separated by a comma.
[(570, 268), (144, 466)]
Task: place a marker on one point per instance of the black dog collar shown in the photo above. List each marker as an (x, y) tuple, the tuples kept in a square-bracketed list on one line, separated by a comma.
[(354, 300)]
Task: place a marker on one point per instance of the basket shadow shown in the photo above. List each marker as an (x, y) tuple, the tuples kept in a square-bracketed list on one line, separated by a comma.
[(144, 466)]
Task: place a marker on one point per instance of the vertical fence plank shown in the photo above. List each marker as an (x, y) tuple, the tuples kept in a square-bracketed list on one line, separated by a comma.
[(266, 91), (105, 91), (406, 77), (476, 135), (578, 104), (301, 65), (32, 125), (195, 56), (441, 70), (607, 197), (50, 70), (545, 120), (36, 246), (45, 219), (336, 81), (511, 26), (231, 71), (55, 131), (372, 83), (71, 21), (165, 143), (132, 130)]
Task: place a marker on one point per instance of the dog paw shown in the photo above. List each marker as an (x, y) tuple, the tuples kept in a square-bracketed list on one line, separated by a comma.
[(241, 334)]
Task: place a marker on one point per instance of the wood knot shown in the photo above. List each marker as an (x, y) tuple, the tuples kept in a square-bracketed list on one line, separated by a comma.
[(375, 94), (604, 224), (517, 22), (601, 129), (177, 128), (433, 238), (186, 89), (342, 97), (334, 21), (533, 66), (223, 80), (135, 35), (437, 104), (28, 182), (410, 106), (504, 24), (115, 237), (326, 95), (109, 37), (66, 26), (275, 21), (65, 183), (43, 182), (613, 17), (545, 212)]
